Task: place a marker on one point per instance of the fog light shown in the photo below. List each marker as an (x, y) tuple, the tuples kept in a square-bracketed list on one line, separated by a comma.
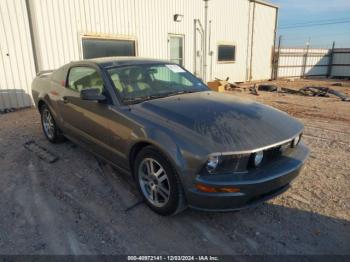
[(296, 141), (212, 163), (258, 157)]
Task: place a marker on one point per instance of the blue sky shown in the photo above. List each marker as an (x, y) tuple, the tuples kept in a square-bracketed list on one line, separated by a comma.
[(293, 12)]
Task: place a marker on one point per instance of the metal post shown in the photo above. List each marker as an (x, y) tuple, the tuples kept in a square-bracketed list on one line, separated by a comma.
[(210, 53), (195, 47), (252, 44), (305, 59), (248, 41), (205, 40), (273, 73), (201, 32), (330, 61), (32, 37), (277, 58)]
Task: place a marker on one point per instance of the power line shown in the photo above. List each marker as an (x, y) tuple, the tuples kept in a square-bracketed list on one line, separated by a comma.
[(311, 25), (313, 36), (317, 21), (321, 32)]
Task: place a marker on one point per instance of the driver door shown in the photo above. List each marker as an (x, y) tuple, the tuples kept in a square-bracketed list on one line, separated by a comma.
[(85, 121)]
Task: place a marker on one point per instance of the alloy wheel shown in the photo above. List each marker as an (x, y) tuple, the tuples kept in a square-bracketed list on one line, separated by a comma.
[(48, 124), (154, 182)]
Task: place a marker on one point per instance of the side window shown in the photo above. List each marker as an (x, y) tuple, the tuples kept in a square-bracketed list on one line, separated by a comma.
[(84, 77)]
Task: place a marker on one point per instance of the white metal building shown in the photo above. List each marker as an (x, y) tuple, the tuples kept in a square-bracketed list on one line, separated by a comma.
[(229, 38)]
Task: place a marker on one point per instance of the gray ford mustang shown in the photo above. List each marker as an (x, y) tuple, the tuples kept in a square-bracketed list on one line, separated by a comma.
[(184, 144)]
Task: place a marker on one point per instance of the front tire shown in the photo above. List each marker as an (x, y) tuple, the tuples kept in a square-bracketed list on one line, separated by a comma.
[(158, 182), (50, 129)]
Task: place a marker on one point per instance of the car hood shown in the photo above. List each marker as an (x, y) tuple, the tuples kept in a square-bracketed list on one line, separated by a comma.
[(219, 121)]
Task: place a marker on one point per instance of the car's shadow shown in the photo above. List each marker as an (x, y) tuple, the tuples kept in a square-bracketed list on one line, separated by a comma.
[(279, 226), (79, 205)]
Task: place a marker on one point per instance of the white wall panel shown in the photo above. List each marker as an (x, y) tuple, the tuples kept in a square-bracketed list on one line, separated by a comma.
[(341, 58), (318, 60), (316, 70), (229, 26), (286, 60), (16, 58), (289, 71), (342, 63), (291, 62), (342, 71), (60, 25)]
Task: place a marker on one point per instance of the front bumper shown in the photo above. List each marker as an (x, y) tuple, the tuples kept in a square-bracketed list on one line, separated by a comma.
[(255, 186)]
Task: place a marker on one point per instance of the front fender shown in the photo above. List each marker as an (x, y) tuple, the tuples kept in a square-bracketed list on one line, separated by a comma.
[(184, 157), (165, 144)]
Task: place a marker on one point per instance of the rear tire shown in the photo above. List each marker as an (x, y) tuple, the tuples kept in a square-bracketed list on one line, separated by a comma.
[(48, 124), (158, 182)]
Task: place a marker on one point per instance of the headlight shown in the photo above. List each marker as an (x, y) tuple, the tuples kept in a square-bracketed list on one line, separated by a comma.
[(296, 141), (258, 158), (212, 163), (217, 164)]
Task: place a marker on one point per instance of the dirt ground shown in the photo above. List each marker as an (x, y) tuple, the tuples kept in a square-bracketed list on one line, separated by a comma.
[(79, 205)]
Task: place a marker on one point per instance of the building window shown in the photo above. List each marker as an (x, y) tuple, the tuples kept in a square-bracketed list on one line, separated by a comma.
[(93, 48), (226, 53)]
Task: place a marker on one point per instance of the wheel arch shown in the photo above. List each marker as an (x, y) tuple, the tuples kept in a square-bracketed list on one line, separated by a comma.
[(135, 149), (172, 156), (41, 103)]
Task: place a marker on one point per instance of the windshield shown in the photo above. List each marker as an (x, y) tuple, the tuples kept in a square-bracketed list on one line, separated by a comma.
[(143, 82)]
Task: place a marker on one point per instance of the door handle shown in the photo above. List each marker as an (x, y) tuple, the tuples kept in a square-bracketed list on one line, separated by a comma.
[(65, 99)]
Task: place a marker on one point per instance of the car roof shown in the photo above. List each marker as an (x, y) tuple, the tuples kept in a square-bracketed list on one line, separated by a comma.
[(108, 62)]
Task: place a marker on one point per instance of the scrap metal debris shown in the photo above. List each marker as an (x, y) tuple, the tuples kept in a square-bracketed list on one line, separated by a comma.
[(220, 85), (306, 91), (270, 88), (289, 90), (337, 84), (41, 152), (7, 110), (253, 90), (323, 91)]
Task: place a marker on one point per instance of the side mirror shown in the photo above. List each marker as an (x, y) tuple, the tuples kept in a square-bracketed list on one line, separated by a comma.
[(92, 94)]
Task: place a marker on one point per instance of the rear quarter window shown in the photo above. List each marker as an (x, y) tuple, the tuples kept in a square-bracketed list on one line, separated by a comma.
[(59, 75)]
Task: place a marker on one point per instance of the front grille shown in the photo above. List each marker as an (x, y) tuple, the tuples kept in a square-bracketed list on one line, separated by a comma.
[(244, 162), (273, 153)]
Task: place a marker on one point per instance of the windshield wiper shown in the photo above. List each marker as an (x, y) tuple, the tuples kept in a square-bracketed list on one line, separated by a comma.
[(180, 92), (135, 100)]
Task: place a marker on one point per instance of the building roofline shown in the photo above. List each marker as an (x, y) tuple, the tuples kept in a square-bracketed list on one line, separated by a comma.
[(265, 3)]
